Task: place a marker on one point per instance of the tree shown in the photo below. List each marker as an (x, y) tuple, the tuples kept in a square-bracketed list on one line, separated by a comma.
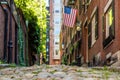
[(35, 12)]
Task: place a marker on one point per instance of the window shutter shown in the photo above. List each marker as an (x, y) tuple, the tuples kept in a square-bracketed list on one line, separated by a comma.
[(96, 24), (113, 23), (80, 6), (103, 27), (88, 3), (89, 35), (89, 28)]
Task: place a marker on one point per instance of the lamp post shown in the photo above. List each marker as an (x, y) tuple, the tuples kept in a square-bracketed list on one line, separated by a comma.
[(10, 43), (78, 26)]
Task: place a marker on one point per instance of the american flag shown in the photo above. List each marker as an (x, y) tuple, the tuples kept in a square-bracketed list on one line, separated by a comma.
[(69, 16)]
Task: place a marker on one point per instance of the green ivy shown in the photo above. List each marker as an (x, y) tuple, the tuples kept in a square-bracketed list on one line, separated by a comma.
[(35, 13), (21, 47), (64, 59)]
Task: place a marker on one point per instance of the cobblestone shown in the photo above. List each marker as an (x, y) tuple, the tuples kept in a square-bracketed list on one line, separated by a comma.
[(58, 72)]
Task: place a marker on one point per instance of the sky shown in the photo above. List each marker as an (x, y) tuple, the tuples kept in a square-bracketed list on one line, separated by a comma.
[(47, 2)]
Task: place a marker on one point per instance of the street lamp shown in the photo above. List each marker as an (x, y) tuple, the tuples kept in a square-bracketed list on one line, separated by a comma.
[(78, 26)]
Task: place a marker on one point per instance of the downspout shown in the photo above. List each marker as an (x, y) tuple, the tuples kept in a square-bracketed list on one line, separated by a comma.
[(5, 34), (10, 43)]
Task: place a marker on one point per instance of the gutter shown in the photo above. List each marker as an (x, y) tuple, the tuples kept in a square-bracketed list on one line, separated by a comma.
[(5, 33)]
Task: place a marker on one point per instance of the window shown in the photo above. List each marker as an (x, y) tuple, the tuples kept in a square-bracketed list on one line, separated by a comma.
[(80, 6), (93, 30), (47, 40), (108, 23), (57, 22), (83, 5), (94, 26), (57, 1), (47, 50), (56, 52), (89, 35), (56, 11), (87, 2), (56, 43)]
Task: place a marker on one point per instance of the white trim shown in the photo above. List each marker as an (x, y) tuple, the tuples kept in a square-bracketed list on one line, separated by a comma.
[(93, 42), (93, 12), (66, 2), (108, 55), (98, 55), (85, 21), (90, 1), (107, 5)]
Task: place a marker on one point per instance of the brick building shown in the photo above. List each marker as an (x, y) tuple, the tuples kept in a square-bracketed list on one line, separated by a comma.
[(51, 33), (94, 39), (13, 34), (55, 25)]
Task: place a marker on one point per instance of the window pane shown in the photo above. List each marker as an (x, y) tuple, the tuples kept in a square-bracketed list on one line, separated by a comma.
[(109, 21), (110, 17), (107, 25), (93, 30)]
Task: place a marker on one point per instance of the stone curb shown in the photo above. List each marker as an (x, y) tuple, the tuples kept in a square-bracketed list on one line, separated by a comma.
[(114, 69), (4, 65)]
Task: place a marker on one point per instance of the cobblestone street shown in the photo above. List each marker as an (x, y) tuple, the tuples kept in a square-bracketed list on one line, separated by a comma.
[(60, 72)]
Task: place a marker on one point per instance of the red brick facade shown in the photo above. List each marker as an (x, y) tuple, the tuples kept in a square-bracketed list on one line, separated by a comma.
[(51, 34), (52, 60), (1, 31), (85, 16), (5, 34)]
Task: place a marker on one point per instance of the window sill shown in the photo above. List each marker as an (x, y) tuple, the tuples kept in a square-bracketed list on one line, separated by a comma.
[(108, 41), (93, 44)]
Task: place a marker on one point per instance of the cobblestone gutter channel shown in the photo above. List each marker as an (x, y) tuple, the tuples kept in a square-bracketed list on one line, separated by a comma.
[(114, 69), (58, 72)]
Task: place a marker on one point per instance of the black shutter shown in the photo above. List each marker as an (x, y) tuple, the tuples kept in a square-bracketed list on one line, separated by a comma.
[(96, 24), (89, 35), (88, 1), (113, 23), (89, 28), (80, 6), (103, 27)]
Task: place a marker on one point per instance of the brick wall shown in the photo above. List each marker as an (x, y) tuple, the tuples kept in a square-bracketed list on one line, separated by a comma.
[(13, 39), (98, 46), (2, 20), (114, 46)]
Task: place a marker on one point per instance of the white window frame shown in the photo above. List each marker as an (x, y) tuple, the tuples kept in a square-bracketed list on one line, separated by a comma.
[(107, 23), (106, 12), (93, 39), (93, 25)]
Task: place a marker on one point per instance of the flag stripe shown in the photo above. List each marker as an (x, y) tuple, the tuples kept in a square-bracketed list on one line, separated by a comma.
[(69, 19), (74, 17)]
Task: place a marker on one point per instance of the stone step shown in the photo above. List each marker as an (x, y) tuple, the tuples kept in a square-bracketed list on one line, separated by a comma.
[(116, 64)]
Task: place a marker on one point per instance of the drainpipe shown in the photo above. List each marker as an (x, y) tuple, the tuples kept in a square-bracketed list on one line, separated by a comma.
[(5, 34), (10, 43)]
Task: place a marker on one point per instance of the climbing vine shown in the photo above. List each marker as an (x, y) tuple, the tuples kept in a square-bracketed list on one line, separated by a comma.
[(35, 13)]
